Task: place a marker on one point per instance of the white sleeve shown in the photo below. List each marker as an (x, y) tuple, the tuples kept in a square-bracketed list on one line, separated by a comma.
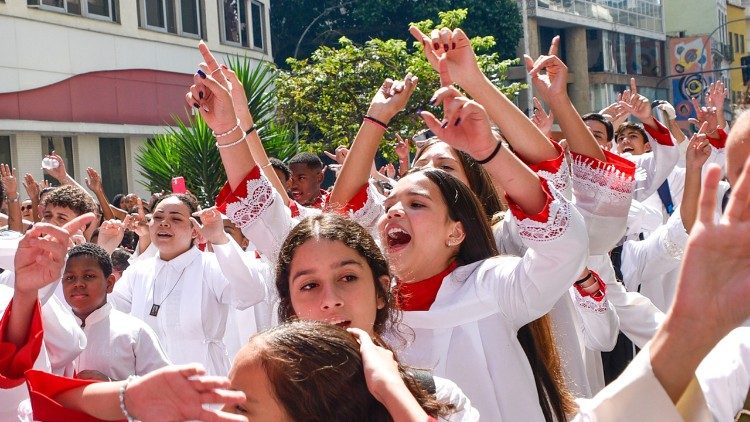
[(148, 353), (527, 288), (446, 391), (262, 217), (636, 395), (121, 297), (63, 338), (639, 318), (656, 166), (660, 253), (248, 278), (599, 322)]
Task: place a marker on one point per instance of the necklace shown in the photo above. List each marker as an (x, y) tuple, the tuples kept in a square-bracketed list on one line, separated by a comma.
[(154, 307)]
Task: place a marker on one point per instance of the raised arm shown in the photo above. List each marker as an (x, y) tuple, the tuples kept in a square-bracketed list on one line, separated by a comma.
[(714, 284), (390, 98), (697, 153), (33, 190), (466, 127), (550, 78), (10, 186), (213, 99), (455, 56), (94, 183)]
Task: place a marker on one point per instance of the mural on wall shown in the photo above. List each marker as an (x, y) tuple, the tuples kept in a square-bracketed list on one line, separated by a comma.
[(687, 56)]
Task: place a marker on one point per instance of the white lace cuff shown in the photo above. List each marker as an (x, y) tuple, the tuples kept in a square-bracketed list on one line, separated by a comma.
[(558, 219), (249, 209), (604, 186), (368, 215), (588, 304)]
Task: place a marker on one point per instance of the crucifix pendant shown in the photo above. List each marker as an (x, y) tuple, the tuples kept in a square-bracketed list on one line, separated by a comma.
[(154, 310)]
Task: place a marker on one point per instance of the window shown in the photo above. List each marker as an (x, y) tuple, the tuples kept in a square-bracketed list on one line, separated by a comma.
[(742, 44), (5, 156), (112, 158), (181, 17), (98, 9), (235, 22), (63, 146)]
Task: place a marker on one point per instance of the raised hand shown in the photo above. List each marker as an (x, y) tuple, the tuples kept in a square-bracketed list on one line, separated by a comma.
[(391, 98), (94, 180), (616, 112), (450, 54), (549, 74), (388, 171), (715, 278), (9, 180), (340, 154), (111, 233), (465, 124), (211, 96), (402, 148), (716, 95), (59, 172), (381, 368), (239, 99), (41, 253), (705, 114), (177, 393), (212, 228), (32, 188), (699, 149), (636, 104), (541, 119)]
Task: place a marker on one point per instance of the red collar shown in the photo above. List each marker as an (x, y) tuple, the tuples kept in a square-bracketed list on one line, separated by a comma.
[(420, 295)]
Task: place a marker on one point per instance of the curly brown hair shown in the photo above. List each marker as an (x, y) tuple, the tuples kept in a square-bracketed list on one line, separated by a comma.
[(70, 196)]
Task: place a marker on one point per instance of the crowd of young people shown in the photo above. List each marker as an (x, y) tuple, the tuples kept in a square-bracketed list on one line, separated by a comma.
[(506, 272)]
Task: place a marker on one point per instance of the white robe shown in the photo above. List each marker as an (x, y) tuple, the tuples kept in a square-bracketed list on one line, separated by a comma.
[(724, 375), (119, 345), (469, 333), (191, 320)]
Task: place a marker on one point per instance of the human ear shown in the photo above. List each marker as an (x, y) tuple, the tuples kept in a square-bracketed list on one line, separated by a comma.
[(457, 234), (385, 281), (110, 283), (647, 147)]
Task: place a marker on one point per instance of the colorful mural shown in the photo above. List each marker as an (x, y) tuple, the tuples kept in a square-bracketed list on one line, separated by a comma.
[(687, 56)]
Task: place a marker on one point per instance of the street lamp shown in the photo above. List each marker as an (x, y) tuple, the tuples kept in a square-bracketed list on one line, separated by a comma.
[(325, 11)]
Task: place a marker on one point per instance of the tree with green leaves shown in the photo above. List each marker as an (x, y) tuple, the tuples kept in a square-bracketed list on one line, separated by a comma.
[(304, 25), (326, 95), (188, 148)]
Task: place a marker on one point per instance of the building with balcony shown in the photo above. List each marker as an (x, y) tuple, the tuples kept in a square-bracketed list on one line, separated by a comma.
[(737, 28), (699, 49), (94, 79), (604, 43)]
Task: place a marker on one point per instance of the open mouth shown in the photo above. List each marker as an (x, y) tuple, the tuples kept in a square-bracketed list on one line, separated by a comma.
[(397, 238), (628, 149), (164, 235), (343, 324)]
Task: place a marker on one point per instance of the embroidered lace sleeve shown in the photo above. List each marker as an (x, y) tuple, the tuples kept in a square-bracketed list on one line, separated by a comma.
[(555, 170), (366, 207), (548, 224), (603, 192), (246, 204), (15, 361)]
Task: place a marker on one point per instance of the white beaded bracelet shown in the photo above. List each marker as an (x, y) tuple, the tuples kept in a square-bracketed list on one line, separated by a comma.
[(217, 135), (231, 144), (121, 396)]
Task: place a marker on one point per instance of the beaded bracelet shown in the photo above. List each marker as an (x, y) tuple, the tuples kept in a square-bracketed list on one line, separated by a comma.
[(121, 396), (231, 144), (217, 135)]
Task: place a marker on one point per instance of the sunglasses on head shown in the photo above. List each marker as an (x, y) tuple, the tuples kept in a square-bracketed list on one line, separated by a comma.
[(25, 207)]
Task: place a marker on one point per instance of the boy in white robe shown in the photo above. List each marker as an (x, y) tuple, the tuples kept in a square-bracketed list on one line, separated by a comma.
[(119, 345)]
